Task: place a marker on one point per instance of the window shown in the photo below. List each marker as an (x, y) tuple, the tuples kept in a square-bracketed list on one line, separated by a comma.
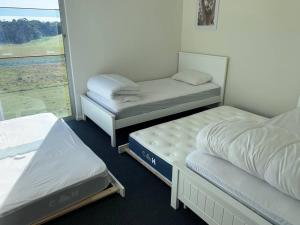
[(33, 75)]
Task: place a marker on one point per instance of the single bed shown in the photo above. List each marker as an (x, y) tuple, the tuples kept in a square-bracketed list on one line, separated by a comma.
[(160, 98), (47, 171), (222, 194), (242, 187)]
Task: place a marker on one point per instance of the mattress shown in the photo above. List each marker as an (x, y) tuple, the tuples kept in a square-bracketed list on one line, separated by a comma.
[(47, 167), (271, 204), (161, 145), (159, 94)]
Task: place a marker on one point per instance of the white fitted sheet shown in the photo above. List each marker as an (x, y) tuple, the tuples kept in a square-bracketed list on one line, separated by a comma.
[(273, 205), (174, 140), (53, 158), (158, 94)]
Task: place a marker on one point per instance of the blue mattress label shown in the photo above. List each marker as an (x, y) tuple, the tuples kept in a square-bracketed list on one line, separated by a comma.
[(151, 159), (146, 156)]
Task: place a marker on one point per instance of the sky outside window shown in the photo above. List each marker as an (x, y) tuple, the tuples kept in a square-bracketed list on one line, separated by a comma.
[(29, 9), (36, 4)]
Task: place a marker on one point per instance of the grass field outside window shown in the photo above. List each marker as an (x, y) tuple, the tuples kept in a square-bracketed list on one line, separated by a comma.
[(31, 85)]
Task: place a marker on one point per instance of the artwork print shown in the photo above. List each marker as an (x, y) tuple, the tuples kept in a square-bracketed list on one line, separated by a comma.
[(207, 13)]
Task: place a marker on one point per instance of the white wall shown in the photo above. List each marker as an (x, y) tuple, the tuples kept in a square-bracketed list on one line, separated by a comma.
[(262, 39), (137, 38)]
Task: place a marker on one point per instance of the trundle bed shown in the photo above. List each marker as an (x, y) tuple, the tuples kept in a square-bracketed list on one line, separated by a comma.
[(47, 171), (160, 146), (160, 98), (217, 191)]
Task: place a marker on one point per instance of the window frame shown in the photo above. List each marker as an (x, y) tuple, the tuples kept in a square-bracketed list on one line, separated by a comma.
[(66, 54), (68, 59)]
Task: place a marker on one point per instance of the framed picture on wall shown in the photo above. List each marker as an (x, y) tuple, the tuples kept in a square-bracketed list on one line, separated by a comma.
[(207, 13)]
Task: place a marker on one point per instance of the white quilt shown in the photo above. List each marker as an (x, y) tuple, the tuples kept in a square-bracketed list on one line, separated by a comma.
[(264, 150)]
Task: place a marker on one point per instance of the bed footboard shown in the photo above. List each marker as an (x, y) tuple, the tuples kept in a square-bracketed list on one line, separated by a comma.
[(213, 205), (99, 115)]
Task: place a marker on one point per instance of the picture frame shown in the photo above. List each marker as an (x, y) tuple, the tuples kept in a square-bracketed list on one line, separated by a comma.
[(207, 14)]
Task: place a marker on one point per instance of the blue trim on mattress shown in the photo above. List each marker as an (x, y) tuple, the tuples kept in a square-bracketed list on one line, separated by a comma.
[(151, 159)]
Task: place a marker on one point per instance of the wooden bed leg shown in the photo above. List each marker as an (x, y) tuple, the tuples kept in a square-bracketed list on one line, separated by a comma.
[(122, 148), (174, 192), (113, 140), (116, 183), (113, 135), (84, 117)]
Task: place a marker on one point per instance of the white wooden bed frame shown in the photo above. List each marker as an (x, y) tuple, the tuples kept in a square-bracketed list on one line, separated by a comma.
[(210, 203), (213, 65), (115, 187)]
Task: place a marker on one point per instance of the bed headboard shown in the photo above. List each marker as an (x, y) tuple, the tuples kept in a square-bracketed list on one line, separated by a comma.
[(216, 66)]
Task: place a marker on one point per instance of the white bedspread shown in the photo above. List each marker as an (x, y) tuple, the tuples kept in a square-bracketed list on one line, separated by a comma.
[(158, 94), (54, 158), (268, 152)]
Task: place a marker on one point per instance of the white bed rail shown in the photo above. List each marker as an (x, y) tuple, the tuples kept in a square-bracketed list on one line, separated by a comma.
[(209, 202)]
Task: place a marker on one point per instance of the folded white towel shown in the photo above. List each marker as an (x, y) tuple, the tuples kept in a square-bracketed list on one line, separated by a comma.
[(109, 85)]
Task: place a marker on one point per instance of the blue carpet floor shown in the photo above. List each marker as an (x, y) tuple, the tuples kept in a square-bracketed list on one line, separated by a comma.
[(147, 200)]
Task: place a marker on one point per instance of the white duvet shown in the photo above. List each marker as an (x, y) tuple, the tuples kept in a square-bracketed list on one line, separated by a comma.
[(270, 151)]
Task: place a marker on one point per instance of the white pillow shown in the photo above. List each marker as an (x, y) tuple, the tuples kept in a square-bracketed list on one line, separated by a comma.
[(192, 77)]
